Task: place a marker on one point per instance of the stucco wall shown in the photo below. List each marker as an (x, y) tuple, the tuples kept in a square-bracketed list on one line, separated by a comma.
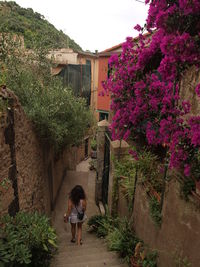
[(179, 233)]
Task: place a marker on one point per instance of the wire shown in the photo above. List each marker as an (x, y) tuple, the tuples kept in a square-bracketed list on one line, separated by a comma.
[(140, 1)]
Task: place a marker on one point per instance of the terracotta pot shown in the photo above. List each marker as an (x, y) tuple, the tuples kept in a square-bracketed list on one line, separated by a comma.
[(134, 263), (93, 154)]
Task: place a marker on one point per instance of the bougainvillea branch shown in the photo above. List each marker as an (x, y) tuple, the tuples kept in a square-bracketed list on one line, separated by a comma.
[(145, 81)]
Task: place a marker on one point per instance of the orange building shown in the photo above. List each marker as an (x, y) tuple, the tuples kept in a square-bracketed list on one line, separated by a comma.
[(103, 101)]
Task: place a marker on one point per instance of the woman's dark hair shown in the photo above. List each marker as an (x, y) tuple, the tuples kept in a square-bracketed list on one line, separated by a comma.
[(76, 194)]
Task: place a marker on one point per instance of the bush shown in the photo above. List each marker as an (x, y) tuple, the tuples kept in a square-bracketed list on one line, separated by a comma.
[(94, 144), (122, 240), (26, 240), (101, 224), (59, 117), (155, 211)]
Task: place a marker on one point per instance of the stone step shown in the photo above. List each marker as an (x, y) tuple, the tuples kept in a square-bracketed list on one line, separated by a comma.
[(74, 247), (86, 240), (93, 263), (84, 250), (71, 258), (93, 252)]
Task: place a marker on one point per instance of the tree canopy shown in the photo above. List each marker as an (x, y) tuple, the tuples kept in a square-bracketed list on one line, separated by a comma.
[(33, 26)]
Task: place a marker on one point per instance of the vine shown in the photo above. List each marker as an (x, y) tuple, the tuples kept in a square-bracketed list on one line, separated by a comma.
[(145, 83)]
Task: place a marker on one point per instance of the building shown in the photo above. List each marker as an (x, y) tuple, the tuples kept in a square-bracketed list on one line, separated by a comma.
[(103, 101), (79, 71)]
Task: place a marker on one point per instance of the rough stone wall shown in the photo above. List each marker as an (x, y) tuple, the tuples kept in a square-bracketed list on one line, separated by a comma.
[(5, 164), (29, 161), (34, 170)]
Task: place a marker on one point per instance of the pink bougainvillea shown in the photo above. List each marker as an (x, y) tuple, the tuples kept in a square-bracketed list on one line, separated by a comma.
[(145, 81)]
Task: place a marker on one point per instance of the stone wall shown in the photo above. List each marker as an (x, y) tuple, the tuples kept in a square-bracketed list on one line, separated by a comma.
[(7, 192), (34, 171)]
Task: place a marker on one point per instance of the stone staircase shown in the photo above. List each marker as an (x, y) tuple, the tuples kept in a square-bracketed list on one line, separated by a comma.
[(93, 252)]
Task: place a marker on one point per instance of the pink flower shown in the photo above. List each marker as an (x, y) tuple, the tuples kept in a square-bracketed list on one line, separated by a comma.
[(197, 89), (138, 28), (187, 170)]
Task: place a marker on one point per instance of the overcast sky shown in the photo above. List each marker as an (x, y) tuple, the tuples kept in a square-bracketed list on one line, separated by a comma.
[(94, 25)]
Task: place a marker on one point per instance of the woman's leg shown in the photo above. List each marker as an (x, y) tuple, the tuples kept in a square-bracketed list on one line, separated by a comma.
[(73, 230), (79, 233)]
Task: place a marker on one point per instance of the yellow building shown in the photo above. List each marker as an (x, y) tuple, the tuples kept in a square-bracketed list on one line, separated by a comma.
[(79, 71)]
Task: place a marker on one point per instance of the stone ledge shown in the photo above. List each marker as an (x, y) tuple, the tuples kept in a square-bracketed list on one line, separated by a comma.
[(120, 147), (103, 123)]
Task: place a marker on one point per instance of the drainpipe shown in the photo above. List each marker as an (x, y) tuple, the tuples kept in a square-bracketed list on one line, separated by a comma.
[(93, 83)]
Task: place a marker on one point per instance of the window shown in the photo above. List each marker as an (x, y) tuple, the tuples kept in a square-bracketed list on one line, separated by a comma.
[(103, 116)]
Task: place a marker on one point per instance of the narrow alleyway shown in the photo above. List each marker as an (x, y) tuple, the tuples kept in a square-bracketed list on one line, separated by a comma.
[(93, 252)]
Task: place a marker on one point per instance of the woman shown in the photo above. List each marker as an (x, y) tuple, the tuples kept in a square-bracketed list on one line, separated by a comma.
[(75, 210)]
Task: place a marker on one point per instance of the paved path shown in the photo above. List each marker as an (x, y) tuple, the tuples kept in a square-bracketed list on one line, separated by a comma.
[(93, 252)]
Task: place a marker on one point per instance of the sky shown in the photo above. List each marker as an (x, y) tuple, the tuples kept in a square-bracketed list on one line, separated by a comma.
[(94, 25)]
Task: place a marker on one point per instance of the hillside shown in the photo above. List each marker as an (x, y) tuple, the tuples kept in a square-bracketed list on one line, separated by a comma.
[(33, 26)]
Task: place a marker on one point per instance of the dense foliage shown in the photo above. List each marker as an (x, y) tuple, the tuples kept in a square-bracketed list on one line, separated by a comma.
[(121, 238), (59, 117), (33, 26), (26, 240), (145, 83)]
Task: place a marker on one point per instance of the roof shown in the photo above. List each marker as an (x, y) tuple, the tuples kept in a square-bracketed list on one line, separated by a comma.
[(118, 48), (87, 54)]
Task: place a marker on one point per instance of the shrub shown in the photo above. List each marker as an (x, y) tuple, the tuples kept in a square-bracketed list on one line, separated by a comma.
[(150, 259), (94, 144), (27, 240), (187, 187), (122, 239), (155, 211), (101, 224), (59, 117)]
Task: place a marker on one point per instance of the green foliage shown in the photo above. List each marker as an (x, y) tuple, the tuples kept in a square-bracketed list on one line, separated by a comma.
[(150, 259), (101, 224), (94, 144), (60, 118), (122, 239), (148, 167), (3, 105), (128, 188), (27, 240), (124, 173), (33, 26), (187, 186), (155, 211), (4, 186), (180, 260), (195, 159), (125, 167), (115, 195)]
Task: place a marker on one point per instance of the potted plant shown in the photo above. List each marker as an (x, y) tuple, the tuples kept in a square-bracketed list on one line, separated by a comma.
[(138, 256), (93, 148)]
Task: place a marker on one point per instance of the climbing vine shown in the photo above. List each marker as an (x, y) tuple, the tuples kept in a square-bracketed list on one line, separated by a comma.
[(145, 83)]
